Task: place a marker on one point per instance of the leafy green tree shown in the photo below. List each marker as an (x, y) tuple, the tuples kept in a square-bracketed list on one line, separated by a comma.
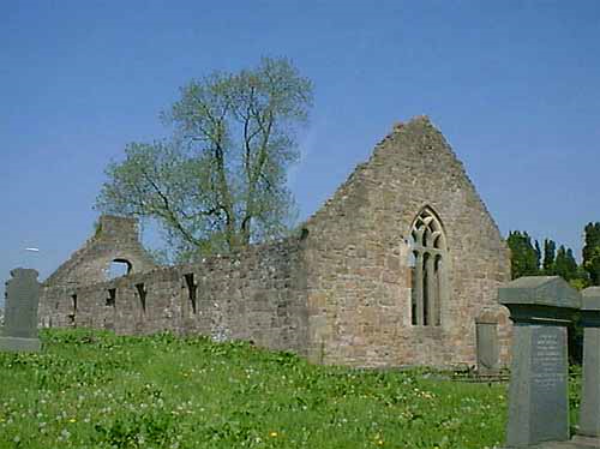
[(524, 256), (549, 256), (591, 252), (219, 182), (565, 265), (581, 279), (538, 256)]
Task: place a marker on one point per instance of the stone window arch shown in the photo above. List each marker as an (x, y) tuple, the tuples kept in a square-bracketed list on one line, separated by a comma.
[(117, 268), (429, 260)]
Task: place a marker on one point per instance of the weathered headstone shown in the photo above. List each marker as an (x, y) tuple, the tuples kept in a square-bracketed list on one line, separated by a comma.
[(488, 353), (20, 331), (589, 413), (541, 308)]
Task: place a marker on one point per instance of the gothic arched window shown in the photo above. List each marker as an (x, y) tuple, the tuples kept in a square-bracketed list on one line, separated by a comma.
[(429, 259)]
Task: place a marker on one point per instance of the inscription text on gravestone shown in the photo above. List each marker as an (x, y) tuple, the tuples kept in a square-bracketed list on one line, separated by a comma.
[(549, 380)]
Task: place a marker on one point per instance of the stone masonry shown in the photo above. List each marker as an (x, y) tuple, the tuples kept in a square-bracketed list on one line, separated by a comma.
[(115, 239), (255, 295), (364, 283)]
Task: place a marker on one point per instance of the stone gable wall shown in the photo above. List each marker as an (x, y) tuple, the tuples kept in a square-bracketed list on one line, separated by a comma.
[(116, 238), (359, 295)]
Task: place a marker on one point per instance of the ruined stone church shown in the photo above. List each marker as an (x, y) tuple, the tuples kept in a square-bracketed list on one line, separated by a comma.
[(400, 267)]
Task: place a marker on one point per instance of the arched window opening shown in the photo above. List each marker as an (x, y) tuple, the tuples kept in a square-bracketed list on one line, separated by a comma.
[(426, 290), (428, 272), (439, 273), (412, 265), (118, 268)]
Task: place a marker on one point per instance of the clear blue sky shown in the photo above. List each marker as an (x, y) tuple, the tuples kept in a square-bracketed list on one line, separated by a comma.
[(513, 85)]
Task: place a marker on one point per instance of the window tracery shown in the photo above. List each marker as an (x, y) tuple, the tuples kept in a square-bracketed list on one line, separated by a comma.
[(429, 258)]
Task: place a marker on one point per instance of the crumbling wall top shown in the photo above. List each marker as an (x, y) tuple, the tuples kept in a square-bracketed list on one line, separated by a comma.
[(115, 239)]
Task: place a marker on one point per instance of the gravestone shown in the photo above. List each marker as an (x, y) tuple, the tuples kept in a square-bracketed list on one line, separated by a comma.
[(589, 413), (488, 353), (541, 308), (20, 331)]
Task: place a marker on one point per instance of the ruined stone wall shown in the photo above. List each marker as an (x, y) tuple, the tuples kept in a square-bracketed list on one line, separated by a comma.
[(359, 291), (115, 239), (257, 295), (340, 293)]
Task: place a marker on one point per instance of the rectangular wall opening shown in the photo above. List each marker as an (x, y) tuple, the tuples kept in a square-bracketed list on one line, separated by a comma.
[(71, 316), (111, 298), (192, 289), (142, 296)]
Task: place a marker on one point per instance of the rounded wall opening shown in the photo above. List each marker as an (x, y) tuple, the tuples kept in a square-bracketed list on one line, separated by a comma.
[(118, 268)]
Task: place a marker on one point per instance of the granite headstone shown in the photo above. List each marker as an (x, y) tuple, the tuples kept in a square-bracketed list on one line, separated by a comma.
[(20, 331), (541, 308)]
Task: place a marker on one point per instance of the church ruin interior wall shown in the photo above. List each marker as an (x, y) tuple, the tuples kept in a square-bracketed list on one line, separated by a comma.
[(256, 295)]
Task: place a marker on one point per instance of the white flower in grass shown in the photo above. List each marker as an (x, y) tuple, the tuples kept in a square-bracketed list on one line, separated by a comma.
[(65, 435)]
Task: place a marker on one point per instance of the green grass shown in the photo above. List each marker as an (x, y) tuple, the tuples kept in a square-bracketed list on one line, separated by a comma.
[(95, 390)]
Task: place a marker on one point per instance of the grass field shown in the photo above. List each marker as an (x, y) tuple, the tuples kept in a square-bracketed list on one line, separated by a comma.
[(95, 390)]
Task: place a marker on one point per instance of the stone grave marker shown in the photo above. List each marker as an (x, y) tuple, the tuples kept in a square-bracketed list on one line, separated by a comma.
[(20, 331), (488, 353), (541, 308), (589, 413)]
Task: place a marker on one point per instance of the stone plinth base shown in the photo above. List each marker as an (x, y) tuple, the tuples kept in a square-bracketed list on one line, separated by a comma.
[(586, 441), (16, 344), (578, 442)]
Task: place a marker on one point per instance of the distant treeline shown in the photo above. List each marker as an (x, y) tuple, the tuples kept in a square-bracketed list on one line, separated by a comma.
[(528, 258)]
